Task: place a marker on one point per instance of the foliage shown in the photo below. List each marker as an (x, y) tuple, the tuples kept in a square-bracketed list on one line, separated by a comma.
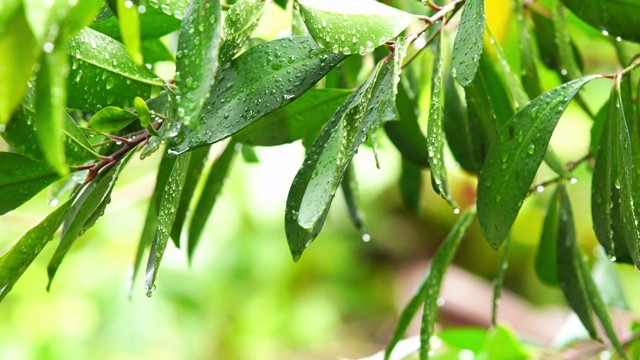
[(87, 89)]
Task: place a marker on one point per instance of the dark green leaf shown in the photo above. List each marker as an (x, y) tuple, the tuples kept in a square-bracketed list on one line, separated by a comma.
[(545, 37), (546, 265), (411, 185), (112, 118), (302, 118), (95, 56), (167, 209), (481, 118), (21, 179), (212, 187), (528, 70), (616, 17), (329, 23), (196, 59), (501, 96), (350, 191), (283, 68), (282, 3), (129, 20), (89, 204), (154, 50), (17, 260), (467, 46), (429, 289), (513, 161), (568, 66), (457, 130), (435, 138), (240, 21)]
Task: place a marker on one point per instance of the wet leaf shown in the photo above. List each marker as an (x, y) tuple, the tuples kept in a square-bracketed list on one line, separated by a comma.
[(129, 20), (356, 26), (21, 179), (481, 118), (457, 130), (612, 204), (411, 185), (429, 289), (303, 118), (467, 46), (568, 66), (513, 161), (616, 17), (240, 21), (102, 74), (154, 23), (111, 118), (349, 187), (167, 209), (546, 263), (14, 262), (284, 69), (196, 59), (528, 70), (435, 137), (92, 198), (545, 37), (212, 188)]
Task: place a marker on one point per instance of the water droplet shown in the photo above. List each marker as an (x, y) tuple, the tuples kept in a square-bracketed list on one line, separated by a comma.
[(456, 210), (366, 237), (531, 149), (605, 32), (48, 47), (573, 180)]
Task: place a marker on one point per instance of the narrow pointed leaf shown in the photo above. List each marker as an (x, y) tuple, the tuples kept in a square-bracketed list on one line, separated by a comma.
[(528, 70), (411, 185), (129, 19), (512, 162), (457, 130), (120, 78), (197, 58), (482, 122), (142, 111), (21, 179), (212, 188), (302, 118), (569, 68), (618, 18), (352, 197), (240, 21), (283, 68), (435, 138), (329, 21), (111, 119), (157, 21), (467, 46), (21, 255), (546, 263), (166, 215)]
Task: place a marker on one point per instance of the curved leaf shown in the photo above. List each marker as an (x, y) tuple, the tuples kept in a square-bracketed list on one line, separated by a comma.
[(129, 20), (410, 184), (21, 179), (154, 23), (616, 17), (111, 118), (239, 23), (349, 187), (528, 70), (284, 69), (513, 161), (546, 263), (103, 74), (196, 58), (467, 46), (355, 26)]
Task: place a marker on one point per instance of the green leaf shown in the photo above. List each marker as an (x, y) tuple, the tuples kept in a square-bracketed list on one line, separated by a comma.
[(616, 17), (406, 134), (197, 162), (283, 68), (612, 203), (89, 204), (528, 70), (501, 344), (112, 118), (212, 188), (21, 179), (303, 118), (15, 66), (8, 10), (95, 56), (14, 263), (435, 138), (546, 263), (166, 215), (129, 20), (457, 129), (356, 26), (467, 46), (51, 94), (154, 23), (481, 118), (545, 37), (411, 185), (196, 59), (142, 111), (513, 161), (429, 289), (240, 21), (569, 271), (568, 65), (154, 50), (349, 187)]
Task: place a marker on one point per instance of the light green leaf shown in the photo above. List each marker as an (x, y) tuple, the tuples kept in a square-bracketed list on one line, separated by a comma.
[(21, 179), (467, 46), (8, 9), (303, 118), (97, 57), (513, 161), (166, 215), (112, 118), (349, 187), (175, 8), (212, 188), (616, 17), (154, 23), (240, 21), (129, 20), (502, 344), (196, 59), (142, 111), (355, 26), (14, 263), (283, 68), (435, 137), (429, 289)]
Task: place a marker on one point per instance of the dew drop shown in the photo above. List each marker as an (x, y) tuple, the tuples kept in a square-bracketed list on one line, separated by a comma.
[(366, 237)]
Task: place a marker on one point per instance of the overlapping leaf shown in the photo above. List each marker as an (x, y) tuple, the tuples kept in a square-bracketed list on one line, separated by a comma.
[(239, 23), (261, 80), (129, 20), (111, 118), (615, 17), (467, 46)]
